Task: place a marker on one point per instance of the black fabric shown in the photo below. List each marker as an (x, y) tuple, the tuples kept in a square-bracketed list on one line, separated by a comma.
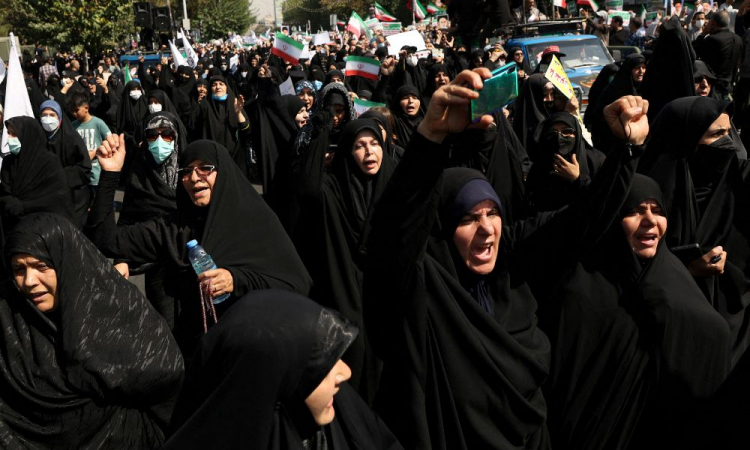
[(69, 147), (389, 146), (131, 113), (498, 154), (430, 81), (237, 229), (545, 190), (669, 74), (34, 177), (166, 103), (100, 371), (254, 369), (622, 84), (722, 51), (603, 79), (404, 124), (529, 111)]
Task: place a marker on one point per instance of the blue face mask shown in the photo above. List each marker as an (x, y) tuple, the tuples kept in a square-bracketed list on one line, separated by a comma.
[(14, 144), (160, 150), (223, 98)]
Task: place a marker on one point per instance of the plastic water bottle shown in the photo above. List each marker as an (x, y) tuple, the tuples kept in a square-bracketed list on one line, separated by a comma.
[(202, 262)]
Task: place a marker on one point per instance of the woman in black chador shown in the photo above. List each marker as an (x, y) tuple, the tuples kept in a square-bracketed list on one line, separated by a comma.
[(257, 382), (86, 362)]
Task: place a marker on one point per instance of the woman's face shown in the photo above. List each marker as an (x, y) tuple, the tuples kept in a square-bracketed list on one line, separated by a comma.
[(36, 280), (301, 117), (49, 112), (367, 152), (153, 101), (477, 237), (644, 227), (199, 182), (549, 92), (320, 402), (441, 79), (338, 115), (218, 88), (202, 91), (307, 96), (716, 130), (638, 72), (410, 104)]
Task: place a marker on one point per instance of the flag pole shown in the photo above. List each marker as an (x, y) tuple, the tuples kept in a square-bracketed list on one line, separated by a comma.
[(413, 14)]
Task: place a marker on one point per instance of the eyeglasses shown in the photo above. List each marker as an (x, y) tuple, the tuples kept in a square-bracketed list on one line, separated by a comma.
[(166, 135), (203, 171), (566, 132)]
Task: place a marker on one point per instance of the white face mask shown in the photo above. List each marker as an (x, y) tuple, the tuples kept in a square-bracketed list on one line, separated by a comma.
[(412, 60), (50, 123), (135, 95), (244, 74), (154, 108), (699, 23)]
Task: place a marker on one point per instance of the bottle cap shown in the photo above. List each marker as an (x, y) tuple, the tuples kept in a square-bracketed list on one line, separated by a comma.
[(192, 243)]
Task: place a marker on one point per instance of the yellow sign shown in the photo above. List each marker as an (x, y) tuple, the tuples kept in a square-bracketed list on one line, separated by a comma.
[(557, 76)]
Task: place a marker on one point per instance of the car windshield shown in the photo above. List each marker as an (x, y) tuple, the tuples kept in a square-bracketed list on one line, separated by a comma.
[(582, 53)]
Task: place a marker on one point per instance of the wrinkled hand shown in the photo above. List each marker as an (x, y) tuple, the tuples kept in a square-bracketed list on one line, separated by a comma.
[(448, 111), (627, 119), (221, 281), (567, 170), (702, 267), (111, 153)]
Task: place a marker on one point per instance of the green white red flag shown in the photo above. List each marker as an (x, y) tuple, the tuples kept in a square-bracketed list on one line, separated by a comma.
[(357, 27), (287, 48), (359, 66), (383, 15)]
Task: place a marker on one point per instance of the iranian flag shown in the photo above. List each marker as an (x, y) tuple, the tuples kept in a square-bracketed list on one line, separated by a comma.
[(357, 26), (362, 106), (383, 15), (287, 48), (559, 3), (419, 11), (433, 8), (362, 67), (590, 3)]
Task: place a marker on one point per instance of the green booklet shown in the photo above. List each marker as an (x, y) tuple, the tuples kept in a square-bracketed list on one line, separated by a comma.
[(497, 92)]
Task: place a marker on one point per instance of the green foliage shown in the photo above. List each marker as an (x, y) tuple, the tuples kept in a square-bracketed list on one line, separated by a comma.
[(91, 25), (298, 12), (218, 17)]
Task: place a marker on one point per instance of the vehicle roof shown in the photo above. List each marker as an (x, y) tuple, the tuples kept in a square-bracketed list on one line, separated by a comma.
[(551, 39)]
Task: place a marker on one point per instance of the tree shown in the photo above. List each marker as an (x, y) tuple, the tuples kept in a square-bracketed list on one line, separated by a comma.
[(82, 25), (219, 17)]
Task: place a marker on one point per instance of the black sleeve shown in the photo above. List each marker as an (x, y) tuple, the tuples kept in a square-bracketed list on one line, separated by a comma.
[(138, 243), (381, 91)]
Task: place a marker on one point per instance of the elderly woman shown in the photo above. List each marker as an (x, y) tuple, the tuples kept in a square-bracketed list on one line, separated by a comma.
[(453, 320), (217, 206), (65, 142), (78, 369), (281, 387)]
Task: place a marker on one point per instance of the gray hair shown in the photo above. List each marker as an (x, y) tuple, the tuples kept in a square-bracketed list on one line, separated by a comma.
[(721, 18)]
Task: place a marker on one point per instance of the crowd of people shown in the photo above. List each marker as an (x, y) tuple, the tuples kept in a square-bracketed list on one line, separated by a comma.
[(394, 278)]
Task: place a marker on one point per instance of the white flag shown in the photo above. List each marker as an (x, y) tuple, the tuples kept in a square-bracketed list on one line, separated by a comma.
[(2, 70), (177, 56), (192, 57), (17, 97)]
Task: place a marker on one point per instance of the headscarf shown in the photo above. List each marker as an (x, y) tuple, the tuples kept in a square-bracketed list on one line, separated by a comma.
[(254, 345), (100, 370), (328, 92), (151, 188), (405, 125), (602, 81), (304, 84), (530, 111), (131, 112), (390, 147), (163, 98), (34, 177), (430, 83)]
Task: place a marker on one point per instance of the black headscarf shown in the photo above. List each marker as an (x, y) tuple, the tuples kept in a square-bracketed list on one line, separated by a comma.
[(33, 180), (330, 94), (547, 191), (166, 103), (131, 112), (258, 370), (404, 124), (669, 74), (430, 82), (100, 370), (622, 84), (151, 188), (391, 148), (602, 81), (530, 111)]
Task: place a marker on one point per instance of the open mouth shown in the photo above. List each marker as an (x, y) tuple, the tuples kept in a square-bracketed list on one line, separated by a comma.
[(411, 110), (482, 252), (648, 239), (200, 191), (37, 297)]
